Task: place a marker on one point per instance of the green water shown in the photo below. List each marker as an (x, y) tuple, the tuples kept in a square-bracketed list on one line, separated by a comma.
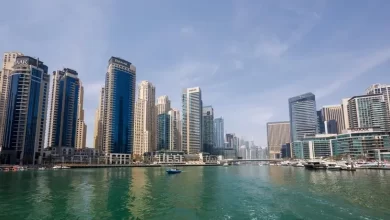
[(235, 192)]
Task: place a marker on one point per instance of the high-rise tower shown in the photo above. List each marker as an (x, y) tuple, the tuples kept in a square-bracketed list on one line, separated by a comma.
[(145, 119), (24, 134), (303, 116), (192, 120), (174, 130), (5, 71), (163, 123), (219, 133), (64, 108), (208, 129), (119, 98), (81, 129)]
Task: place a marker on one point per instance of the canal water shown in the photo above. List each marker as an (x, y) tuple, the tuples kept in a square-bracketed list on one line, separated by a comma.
[(235, 192)]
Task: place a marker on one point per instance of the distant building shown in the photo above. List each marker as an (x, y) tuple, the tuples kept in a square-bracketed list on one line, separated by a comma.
[(64, 104), (368, 111), (229, 140), (119, 98), (163, 123), (208, 129), (331, 127), (174, 130), (278, 134), (320, 123), (192, 120), (25, 125), (81, 130), (303, 116), (219, 139), (98, 127)]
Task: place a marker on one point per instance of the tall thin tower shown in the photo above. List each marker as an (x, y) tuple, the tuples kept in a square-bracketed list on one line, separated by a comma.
[(192, 120), (9, 59), (119, 95), (145, 119), (64, 108)]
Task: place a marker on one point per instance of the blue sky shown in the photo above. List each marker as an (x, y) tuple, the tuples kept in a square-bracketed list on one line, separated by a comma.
[(248, 57)]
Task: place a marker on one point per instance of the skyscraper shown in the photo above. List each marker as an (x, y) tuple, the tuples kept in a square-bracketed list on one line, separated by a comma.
[(192, 120), (98, 127), (219, 133), (368, 111), (335, 113), (174, 130), (278, 134), (26, 114), (208, 129), (303, 116), (119, 98), (5, 71), (81, 130), (64, 109), (163, 123), (145, 119)]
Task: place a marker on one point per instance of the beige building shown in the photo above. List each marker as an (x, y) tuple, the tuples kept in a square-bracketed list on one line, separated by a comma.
[(145, 119), (344, 107), (278, 133), (9, 59), (98, 127), (174, 130), (81, 129), (334, 112)]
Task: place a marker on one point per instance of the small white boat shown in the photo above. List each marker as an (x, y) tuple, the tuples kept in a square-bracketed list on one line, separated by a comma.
[(260, 164), (333, 166), (225, 164), (41, 168), (299, 165), (60, 167)]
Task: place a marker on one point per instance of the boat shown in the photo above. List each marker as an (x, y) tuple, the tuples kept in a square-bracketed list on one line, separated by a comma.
[(298, 165), (315, 165), (260, 164), (41, 168), (226, 164), (60, 167), (173, 171), (333, 166)]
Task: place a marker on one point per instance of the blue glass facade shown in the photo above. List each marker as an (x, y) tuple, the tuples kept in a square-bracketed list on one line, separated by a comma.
[(26, 113), (119, 107), (163, 123), (303, 116), (64, 109)]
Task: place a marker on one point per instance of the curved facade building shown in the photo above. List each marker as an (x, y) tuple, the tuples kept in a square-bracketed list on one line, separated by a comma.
[(24, 134), (119, 97), (303, 116)]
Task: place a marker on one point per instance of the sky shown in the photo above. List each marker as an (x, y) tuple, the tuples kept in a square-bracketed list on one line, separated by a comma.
[(248, 57)]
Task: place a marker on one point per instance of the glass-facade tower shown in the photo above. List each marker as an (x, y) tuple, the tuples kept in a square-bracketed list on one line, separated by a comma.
[(119, 101), (64, 108), (163, 127), (208, 129), (24, 134), (219, 139), (303, 116), (192, 120)]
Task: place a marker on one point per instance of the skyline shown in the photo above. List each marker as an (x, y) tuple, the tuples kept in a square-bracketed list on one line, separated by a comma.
[(308, 46)]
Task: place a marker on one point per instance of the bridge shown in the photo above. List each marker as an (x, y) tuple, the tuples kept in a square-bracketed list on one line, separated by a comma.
[(252, 160)]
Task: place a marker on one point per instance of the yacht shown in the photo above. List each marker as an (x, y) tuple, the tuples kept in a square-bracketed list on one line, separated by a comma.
[(333, 166)]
